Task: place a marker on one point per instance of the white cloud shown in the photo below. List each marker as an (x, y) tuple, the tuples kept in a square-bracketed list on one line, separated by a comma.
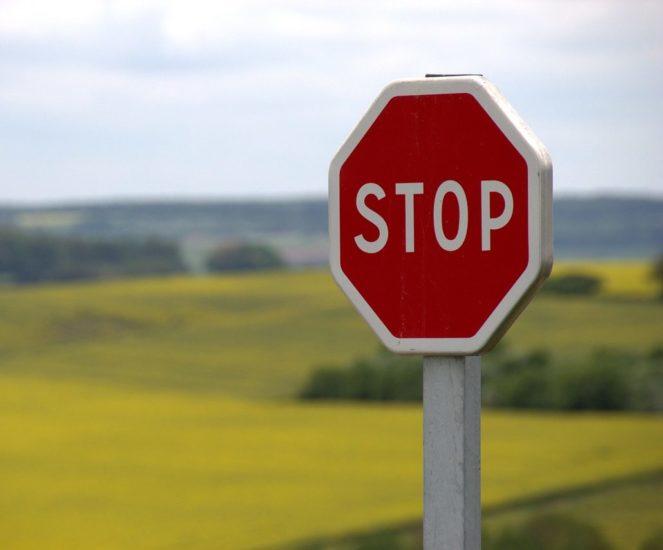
[(41, 18), (307, 70)]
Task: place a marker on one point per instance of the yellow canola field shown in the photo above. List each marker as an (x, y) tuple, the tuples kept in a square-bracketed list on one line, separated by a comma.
[(125, 420), (259, 335), (623, 278), (86, 466)]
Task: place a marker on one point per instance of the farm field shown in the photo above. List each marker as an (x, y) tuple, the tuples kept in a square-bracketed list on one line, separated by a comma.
[(86, 465), (626, 511), (159, 413), (620, 278), (256, 336)]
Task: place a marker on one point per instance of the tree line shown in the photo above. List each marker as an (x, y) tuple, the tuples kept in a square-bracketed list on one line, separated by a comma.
[(605, 380), (590, 227), (34, 257)]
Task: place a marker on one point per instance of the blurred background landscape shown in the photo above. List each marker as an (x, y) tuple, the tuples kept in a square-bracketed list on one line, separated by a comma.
[(187, 374), (177, 367)]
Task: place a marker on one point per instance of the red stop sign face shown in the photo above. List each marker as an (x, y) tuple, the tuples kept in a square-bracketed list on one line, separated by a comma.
[(440, 215)]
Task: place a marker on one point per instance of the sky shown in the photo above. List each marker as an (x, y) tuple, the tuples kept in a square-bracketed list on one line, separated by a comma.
[(146, 99)]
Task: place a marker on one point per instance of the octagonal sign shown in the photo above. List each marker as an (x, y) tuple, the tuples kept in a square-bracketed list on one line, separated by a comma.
[(440, 215)]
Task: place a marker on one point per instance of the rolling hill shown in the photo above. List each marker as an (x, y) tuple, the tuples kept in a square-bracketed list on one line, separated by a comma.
[(158, 413)]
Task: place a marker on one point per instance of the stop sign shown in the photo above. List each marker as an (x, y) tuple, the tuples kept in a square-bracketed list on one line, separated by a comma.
[(440, 215)]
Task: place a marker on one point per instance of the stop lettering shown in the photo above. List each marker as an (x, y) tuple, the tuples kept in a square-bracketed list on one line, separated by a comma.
[(409, 190), (440, 215)]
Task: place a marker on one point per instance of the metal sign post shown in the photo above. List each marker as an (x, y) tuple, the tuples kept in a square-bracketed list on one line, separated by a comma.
[(452, 453)]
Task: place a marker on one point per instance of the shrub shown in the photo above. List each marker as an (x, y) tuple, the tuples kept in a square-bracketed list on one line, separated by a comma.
[(600, 384), (519, 381), (32, 258), (382, 377), (646, 382), (577, 284), (607, 380), (324, 383), (244, 257)]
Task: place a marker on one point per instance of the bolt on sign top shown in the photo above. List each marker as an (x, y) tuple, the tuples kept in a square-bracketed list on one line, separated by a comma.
[(440, 215)]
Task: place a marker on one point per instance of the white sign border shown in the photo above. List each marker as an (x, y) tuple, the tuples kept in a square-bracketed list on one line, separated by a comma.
[(539, 170)]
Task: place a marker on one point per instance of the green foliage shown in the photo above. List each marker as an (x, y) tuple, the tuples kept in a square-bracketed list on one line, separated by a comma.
[(548, 532), (517, 381), (654, 541), (382, 377), (577, 284), (602, 383), (606, 380), (244, 257), (31, 258)]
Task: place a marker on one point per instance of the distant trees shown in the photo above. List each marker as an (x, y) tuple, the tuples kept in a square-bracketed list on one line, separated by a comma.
[(382, 377), (243, 256), (34, 257), (578, 284), (605, 380)]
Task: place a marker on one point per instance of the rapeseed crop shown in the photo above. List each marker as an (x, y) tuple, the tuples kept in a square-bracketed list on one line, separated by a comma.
[(156, 412), (251, 335), (90, 466), (620, 278), (627, 512)]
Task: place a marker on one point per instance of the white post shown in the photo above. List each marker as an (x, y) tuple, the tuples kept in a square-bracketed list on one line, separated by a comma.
[(452, 453)]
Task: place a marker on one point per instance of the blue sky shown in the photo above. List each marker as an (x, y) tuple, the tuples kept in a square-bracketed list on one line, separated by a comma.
[(133, 99)]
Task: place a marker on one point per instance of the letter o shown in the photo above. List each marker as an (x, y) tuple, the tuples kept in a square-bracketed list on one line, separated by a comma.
[(453, 187)]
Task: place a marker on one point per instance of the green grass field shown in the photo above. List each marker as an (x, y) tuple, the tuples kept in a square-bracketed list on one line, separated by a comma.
[(254, 336), (156, 413), (626, 511)]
